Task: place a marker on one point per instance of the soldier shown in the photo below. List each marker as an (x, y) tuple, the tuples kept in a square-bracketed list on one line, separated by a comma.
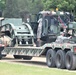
[(39, 32), (62, 37), (6, 40)]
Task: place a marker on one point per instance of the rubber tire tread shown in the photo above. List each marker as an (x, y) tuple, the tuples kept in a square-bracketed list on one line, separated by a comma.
[(70, 60), (50, 63), (60, 59)]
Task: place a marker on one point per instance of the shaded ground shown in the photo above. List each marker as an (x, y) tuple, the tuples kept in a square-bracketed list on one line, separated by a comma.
[(36, 61)]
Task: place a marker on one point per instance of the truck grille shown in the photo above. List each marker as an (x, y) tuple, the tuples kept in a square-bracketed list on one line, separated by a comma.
[(23, 32)]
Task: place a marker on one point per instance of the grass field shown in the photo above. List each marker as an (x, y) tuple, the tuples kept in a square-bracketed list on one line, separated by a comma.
[(18, 69)]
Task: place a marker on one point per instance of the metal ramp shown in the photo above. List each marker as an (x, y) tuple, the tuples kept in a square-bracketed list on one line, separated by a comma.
[(27, 51)]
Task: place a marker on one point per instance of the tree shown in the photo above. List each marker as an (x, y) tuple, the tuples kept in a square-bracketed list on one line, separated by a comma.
[(32, 6), (2, 4), (11, 9), (64, 5)]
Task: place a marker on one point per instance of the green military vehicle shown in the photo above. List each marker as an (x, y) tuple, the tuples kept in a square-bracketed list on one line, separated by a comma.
[(60, 55), (53, 22)]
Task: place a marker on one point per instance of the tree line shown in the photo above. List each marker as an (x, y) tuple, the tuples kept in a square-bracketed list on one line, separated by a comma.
[(14, 8)]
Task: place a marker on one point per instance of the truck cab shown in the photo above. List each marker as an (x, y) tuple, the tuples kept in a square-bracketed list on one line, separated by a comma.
[(50, 26), (72, 30)]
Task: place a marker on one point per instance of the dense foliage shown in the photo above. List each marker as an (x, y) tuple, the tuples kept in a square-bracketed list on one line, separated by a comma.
[(12, 8)]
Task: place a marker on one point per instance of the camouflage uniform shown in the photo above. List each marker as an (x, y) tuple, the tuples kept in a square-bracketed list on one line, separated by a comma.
[(39, 28)]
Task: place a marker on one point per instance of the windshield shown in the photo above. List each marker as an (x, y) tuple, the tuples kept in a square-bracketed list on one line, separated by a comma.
[(50, 25), (64, 18)]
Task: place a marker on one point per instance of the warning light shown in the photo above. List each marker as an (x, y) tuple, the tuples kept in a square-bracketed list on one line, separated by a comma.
[(56, 9)]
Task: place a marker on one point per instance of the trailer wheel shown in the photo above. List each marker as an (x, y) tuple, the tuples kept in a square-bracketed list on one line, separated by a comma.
[(27, 57), (50, 58), (1, 48), (59, 59), (0, 56), (17, 56), (4, 55), (70, 60)]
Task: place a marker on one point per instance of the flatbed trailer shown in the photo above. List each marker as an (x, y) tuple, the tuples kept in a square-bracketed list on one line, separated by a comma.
[(60, 55)]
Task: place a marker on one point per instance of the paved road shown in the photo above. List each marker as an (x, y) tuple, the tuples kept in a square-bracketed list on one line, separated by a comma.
[(36, 61)]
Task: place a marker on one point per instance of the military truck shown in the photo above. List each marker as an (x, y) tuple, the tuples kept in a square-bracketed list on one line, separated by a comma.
[(53, 22), (60, 55)]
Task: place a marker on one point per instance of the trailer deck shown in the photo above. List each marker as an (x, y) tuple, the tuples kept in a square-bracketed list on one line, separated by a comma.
[(37, 51)]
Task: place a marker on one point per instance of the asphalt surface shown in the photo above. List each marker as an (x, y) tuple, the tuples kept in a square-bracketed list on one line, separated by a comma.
[(35, 61)]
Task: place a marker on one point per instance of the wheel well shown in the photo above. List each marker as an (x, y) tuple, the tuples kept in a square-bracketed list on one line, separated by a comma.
[(45, 51), (66, 50), (47, 48), (56, 49)]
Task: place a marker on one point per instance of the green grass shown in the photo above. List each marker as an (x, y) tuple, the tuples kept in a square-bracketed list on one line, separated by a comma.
[(18, 69)]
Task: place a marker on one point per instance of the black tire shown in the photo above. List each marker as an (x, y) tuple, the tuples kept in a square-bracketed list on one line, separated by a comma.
[(0, 56), (1, 48), (17, 56), (60, 59), (4, 55), (27, 57), (70, 60), (50, 58)]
